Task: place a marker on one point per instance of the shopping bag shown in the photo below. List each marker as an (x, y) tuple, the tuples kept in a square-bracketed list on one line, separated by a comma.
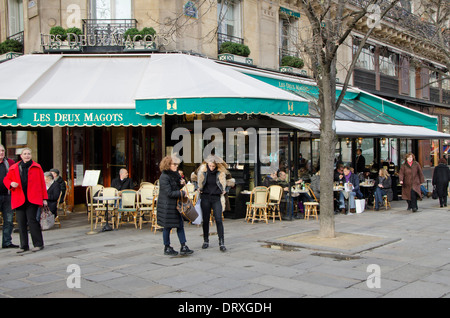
[(198, 208), (360, 205), (434, 195), (47, 218)]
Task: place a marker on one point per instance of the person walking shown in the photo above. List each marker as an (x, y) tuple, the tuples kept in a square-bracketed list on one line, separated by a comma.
[(441, 177), (383, 186), (213, 186), (25, 180), (167, 214), (410, 177), (5, 201)]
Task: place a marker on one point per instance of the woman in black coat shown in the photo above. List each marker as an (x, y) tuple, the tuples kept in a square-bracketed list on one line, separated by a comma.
[(168, 216), (53, 191), (441, 177)]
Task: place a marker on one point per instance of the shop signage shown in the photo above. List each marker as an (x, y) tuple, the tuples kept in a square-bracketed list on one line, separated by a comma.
[(80, 117), (74, 42)]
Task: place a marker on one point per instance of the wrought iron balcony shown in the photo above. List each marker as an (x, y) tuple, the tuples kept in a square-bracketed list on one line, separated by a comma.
[(222, 37), (107, 31)]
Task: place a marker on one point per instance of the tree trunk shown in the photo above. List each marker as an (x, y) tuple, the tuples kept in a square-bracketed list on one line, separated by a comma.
[(327, 150)]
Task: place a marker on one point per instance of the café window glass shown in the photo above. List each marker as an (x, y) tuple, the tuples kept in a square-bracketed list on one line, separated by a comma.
[(16, 140)]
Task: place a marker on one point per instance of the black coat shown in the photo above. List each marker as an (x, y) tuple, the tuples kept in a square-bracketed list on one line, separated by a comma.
[(387, 186), (53, 195), (169, 192), (441, 177)]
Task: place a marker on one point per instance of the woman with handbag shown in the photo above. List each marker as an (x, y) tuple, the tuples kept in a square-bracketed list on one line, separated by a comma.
[(441, 177), (26, 181), (213, 185), (168, 216)]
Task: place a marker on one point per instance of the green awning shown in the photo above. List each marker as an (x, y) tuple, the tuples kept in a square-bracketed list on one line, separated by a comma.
[(79, 117), (220, 106), (8, 108)]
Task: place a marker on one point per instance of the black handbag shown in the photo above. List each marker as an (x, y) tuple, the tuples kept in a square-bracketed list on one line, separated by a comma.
[(187, 208), (434, 195)]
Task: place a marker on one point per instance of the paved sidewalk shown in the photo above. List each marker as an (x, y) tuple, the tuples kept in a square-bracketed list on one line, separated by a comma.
[(413, 261)]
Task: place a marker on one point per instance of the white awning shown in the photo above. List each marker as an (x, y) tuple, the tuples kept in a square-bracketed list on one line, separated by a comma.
[(346, 128)]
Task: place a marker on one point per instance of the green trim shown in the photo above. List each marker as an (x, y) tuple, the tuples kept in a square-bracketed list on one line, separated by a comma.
[(8, 108), (404, 114), (299, 87), (80, 117), (290, 12), (220, 106)]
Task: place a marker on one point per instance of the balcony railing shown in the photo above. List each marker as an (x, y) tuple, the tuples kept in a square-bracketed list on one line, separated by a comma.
[(18, 37), (107, 31), (222, 37)]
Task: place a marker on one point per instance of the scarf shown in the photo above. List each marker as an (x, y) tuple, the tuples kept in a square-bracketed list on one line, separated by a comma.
[(23, 170)]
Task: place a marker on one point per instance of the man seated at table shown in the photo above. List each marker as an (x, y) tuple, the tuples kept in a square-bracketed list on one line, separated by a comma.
[(351, 184), (122, 182), (287, 215)]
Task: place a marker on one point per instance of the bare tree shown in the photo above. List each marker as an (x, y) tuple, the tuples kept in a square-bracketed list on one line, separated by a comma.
[(330, 24)]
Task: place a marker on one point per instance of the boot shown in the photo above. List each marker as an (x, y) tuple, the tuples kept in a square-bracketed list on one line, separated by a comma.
[(205, 243), (168, 250), (222, 245), (185, 250)]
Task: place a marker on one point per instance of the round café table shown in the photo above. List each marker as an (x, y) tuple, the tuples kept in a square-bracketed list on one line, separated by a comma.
[(106, 227)]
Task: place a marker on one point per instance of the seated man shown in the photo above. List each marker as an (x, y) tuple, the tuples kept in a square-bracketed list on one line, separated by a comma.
[(285, 198), (122, 182), (351, 184), (57, 178)]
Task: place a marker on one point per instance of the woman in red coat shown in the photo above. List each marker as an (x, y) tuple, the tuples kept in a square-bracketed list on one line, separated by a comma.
[(26, 181), (410, 177)]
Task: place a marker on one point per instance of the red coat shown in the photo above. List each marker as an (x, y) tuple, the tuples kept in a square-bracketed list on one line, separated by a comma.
[(37, 191)]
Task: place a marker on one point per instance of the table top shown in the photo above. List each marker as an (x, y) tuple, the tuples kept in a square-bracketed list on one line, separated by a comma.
[(102, 198), (368, 185), (339, 188)]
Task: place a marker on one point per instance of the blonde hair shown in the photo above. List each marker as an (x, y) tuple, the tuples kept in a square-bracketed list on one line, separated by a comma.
[(384, 173)]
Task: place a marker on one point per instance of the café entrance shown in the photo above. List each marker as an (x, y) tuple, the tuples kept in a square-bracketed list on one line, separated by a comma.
[(110, 149)]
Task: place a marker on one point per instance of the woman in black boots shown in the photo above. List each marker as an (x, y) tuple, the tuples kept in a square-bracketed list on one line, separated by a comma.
[(167, 213), (213, 186)]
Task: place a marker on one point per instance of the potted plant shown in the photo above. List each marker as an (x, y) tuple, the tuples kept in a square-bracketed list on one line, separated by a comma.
[(235, 52), (59, 33), (292, 64), (10, 49), (143, 40), (71, 31)]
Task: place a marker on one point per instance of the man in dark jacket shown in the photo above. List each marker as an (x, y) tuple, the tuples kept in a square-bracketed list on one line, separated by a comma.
[(122, 182), (351, 182), (5, 201)]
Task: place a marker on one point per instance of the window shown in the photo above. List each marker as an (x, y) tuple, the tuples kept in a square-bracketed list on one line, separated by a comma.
[(15, 16), (388, 62), (288, 35), (366, 59), (16, 140), (111, 9), (229, 17)]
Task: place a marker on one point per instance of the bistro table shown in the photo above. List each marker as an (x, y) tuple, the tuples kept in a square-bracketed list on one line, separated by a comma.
[(106, 227), (368, 191)]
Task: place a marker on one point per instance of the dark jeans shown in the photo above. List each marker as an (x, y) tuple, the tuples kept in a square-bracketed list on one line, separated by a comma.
[(207, 203), (26, 216), (180, 233), (8, 216)]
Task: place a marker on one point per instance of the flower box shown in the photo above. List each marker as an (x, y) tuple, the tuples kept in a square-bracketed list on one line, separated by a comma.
[(235, 58)]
